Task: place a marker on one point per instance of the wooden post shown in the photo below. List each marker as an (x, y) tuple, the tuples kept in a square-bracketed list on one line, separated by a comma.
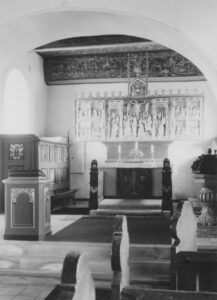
[(93, 201), (166, 186)]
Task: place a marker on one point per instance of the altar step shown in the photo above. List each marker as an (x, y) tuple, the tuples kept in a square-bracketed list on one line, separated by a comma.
[(129, 207), (40, 263)]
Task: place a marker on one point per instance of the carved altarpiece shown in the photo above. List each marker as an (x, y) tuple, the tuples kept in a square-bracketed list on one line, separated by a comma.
[(146, 118)]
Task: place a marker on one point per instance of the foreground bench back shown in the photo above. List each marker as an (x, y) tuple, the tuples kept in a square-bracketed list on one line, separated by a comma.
[(146, 294), (120, 256), (76, 280), (191, 270)]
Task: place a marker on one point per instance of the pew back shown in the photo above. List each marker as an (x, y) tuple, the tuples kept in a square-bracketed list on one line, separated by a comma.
[(133, 293), (120, 256), (76, 280)]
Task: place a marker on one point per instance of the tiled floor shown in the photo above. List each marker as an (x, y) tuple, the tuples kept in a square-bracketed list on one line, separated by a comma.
[(21, 292), (10, 288)]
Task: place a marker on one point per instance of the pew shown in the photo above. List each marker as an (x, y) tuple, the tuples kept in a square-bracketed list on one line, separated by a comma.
[(186, 261), (62, 199), (120, 256), (136, 293), (191, 269), (76, 280)]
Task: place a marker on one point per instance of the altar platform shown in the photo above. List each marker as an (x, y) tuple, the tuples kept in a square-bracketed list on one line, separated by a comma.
[(129, 207)]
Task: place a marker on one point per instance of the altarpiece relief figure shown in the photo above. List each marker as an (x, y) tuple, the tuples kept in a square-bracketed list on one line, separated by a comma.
[(98, 120), (115, 118), (161, 118), (83, 114), (194, 116), (179, 117)]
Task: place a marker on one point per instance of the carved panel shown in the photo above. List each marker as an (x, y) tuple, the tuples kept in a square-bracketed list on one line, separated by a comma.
[(159, 118), (115, 115), (52, 153), (52, 174), (170, 64), (16, 152), (187, 117), (134, 183), (46, 206), (90, 116), (87, 67), (44, 152), (22, 205), (119, 65)]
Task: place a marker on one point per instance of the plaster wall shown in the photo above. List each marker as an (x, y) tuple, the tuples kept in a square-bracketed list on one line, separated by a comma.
[(61, 120), (31, 67), (188, 27)]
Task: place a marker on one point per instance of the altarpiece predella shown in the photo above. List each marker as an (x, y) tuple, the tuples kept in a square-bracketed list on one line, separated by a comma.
[(150, 118)]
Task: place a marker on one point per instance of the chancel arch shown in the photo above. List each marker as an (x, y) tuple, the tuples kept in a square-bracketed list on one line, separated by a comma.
[(96, 21)]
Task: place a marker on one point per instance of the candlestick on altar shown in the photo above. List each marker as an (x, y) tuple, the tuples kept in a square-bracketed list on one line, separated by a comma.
[(152, 149), (136, 146), (152, 153), (119, 152)]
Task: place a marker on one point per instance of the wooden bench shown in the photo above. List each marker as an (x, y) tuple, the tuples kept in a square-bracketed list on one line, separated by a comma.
[(191, 270), (136, 293), (61, 200), (202, 265), (76, 280), (120, 256)]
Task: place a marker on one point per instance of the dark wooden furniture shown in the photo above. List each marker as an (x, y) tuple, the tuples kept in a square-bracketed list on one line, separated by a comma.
[(62, 200), (136, 293), (23, 152), (191, 271), (134, 183), (196, 271)]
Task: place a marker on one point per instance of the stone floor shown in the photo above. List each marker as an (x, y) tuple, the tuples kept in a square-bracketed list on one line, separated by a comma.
[(19, 291), (15, 289)]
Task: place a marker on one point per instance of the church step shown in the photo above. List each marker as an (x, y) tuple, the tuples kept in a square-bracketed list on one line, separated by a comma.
[(53, 266), (49, 249), (149, 266), (149, 251), (127, 212), (99, 250), (155, 280), (131, 204)]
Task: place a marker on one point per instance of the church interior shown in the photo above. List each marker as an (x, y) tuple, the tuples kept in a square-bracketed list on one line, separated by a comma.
[(108, 149)]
